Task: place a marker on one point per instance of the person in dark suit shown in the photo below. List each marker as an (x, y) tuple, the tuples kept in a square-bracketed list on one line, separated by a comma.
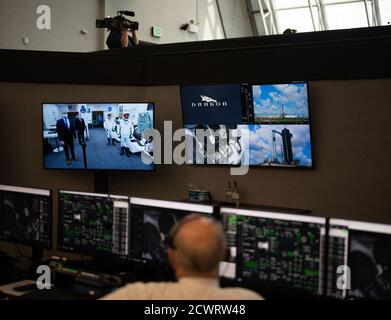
[(80, 127), (66, 134)]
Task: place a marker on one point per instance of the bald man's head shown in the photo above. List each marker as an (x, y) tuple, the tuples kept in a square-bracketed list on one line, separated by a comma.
[(199, 244)]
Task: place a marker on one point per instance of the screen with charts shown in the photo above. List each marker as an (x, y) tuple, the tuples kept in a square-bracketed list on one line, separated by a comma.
[(286, 250), (26, 216), (152, 221), (93, 223), (112, 226), (252, 124), (110, 133), (365, 248)]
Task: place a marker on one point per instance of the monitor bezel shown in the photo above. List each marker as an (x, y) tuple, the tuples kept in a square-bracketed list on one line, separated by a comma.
[(279, 215), (356, 225), (168, 204)]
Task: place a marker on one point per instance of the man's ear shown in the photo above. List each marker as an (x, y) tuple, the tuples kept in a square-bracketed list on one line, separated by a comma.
[(171, 257)]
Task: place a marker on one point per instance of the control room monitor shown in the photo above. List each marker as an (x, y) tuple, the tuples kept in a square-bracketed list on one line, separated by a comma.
[(365, 248), (152, 221), (281, 249), (26, 216), (92, 223)]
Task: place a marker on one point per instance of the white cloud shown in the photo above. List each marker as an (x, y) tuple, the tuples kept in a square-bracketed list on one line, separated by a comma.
[(293, 97), (266, 102), (260, 142)]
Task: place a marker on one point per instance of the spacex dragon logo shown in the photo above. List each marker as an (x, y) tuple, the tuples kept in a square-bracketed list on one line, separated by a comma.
[(207, 99), (209, 102)]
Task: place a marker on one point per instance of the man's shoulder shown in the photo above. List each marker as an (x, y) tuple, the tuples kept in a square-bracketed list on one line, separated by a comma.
[(169, 289), (241, 293), (175, 290), (152, 285), (147, 290)]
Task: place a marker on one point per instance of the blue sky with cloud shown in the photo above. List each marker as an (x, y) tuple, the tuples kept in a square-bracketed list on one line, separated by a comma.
[(260, 143), (268, 100)]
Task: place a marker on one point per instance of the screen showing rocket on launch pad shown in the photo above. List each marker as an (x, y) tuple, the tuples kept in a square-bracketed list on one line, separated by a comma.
[(280, 129), (97, 136), (274, 117)]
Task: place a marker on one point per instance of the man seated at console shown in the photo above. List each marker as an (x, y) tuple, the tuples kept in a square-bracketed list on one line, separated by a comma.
[(196, 247)]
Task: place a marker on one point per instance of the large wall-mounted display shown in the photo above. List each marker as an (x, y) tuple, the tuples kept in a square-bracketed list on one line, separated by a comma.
[(111, 133), (260, 124)]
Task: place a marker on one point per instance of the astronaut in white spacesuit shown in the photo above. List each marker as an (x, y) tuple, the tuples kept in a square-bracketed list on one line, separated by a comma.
[(109, 126), (126, 130), (116, 134)]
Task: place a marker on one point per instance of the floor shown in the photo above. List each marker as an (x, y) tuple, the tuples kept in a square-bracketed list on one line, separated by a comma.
[(99, 154)]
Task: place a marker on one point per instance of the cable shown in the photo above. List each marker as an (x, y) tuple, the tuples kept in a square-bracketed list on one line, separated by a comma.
[(88, 265), (21, 254)]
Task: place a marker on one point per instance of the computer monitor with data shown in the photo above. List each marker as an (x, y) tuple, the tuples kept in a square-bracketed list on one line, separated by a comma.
[(26, 216), (281, 249), (92, 223), (359, 260), (152, 221)]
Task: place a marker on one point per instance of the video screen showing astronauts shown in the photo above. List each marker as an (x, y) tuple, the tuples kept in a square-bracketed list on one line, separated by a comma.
[(105, 136), (370, 265)]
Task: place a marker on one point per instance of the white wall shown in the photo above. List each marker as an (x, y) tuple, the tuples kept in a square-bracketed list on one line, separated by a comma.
[(51, 114), (171, 14), (18, 19), (68, 17), (209, 20), (236, 18), (167, 14)]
